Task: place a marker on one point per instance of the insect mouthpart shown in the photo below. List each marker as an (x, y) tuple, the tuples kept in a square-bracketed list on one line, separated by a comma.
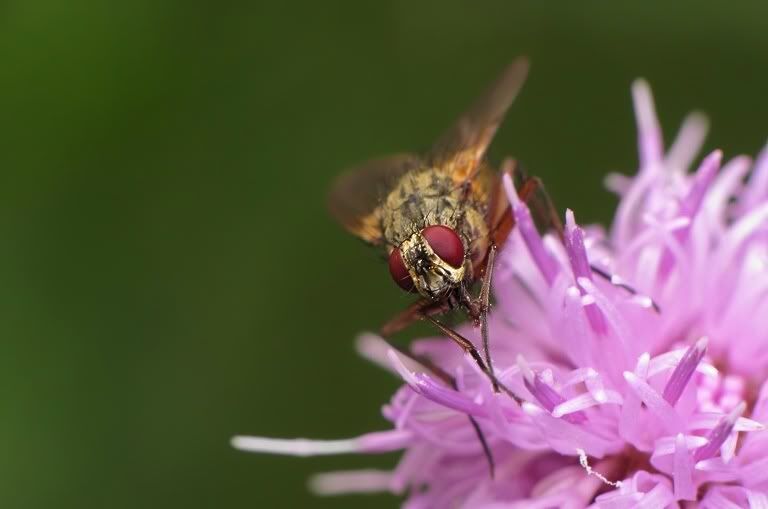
[(430, 261)]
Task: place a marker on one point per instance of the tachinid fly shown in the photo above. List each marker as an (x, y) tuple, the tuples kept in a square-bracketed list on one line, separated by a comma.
[(440, 218)]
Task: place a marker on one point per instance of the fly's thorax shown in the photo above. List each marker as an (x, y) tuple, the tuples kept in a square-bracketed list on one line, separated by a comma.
[(420, 199), (432, 276)]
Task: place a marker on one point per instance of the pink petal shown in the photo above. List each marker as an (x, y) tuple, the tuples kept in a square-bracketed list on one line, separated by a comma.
[(683, 471)]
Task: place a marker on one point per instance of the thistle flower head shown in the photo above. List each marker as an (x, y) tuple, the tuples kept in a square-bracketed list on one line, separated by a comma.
[(650, 398)]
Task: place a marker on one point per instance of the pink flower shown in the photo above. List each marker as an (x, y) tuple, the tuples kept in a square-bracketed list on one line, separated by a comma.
[(620, 404)]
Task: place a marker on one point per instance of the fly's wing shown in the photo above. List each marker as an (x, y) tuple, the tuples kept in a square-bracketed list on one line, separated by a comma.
[(461, 149), (356, 195)]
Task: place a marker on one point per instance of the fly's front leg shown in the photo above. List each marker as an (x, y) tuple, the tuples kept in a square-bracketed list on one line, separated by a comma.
[(485, 304), (473, 352), (478, 309), (416, 311), (471, 305)]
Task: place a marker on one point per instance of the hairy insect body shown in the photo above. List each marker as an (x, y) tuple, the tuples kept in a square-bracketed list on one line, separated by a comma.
[(426, 198), (439, 217)]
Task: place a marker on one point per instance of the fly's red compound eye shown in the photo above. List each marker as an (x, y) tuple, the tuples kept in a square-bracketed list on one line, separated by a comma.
[(445, 243), (398, 270)]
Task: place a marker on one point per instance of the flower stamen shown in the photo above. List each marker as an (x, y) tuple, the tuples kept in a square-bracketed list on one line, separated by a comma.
[(719, 434), (684, 371), (530, 234), (546, 395), (577, 254)]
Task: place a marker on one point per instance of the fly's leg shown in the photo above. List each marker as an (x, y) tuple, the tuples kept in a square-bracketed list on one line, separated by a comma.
[(533, 194), (619, 283), (463, 343), (473, 352), (441, 374), (413, 313), (485, 304), (502, 222), (478, 309), (484, 445), (541, 205)]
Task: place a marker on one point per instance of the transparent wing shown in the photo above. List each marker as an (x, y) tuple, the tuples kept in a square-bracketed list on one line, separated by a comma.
[(461, 149), (357, 193)]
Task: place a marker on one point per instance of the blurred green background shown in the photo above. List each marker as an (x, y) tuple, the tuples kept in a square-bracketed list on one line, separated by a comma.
[(168, 274)]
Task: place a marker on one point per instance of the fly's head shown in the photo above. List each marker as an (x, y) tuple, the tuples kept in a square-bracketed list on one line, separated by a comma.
[(430, 262)]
